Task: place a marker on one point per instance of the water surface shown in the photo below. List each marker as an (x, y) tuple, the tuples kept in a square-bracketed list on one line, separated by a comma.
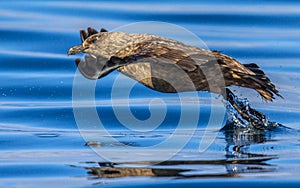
[(39, 138)]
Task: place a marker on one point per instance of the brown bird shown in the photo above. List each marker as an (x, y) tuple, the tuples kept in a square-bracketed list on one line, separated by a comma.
[(170, 66)]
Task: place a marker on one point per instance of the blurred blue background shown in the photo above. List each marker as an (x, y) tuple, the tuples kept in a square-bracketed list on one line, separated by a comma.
[(39, 140)]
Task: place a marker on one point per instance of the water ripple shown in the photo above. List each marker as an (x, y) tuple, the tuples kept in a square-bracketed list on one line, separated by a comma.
[(37, 122)]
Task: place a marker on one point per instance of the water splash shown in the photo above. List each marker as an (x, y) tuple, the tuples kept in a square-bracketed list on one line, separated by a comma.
[(235, 120)]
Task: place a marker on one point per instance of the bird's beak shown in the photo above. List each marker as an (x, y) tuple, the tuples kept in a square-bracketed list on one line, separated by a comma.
[(76, 50)]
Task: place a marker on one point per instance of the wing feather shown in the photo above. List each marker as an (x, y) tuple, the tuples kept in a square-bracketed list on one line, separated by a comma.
[(186, 57)]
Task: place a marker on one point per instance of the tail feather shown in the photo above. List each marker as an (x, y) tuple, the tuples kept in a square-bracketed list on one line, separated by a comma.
[(261, 83)]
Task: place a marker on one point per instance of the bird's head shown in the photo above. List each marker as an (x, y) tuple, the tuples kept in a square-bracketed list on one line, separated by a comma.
[(84, 35), (76, 49)]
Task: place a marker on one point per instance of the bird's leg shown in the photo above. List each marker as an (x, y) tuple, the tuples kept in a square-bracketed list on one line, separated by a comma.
[(252, 116), (230, 97), (256, 113)]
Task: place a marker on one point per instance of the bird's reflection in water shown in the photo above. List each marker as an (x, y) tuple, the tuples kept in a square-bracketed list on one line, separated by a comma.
[(238, 142), (238, 161)]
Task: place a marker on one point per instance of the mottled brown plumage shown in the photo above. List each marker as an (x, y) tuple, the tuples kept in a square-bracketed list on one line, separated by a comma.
[(167, 65)]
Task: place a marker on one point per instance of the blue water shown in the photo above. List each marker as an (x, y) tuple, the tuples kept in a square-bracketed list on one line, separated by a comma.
[(41, 144)]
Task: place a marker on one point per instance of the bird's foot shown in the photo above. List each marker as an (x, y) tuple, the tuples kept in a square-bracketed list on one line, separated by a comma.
[(242, 115)]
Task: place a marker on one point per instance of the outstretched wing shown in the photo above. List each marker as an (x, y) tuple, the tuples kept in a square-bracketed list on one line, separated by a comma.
[(90, 31), (170, 52), (194, 61), (95, 67)]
